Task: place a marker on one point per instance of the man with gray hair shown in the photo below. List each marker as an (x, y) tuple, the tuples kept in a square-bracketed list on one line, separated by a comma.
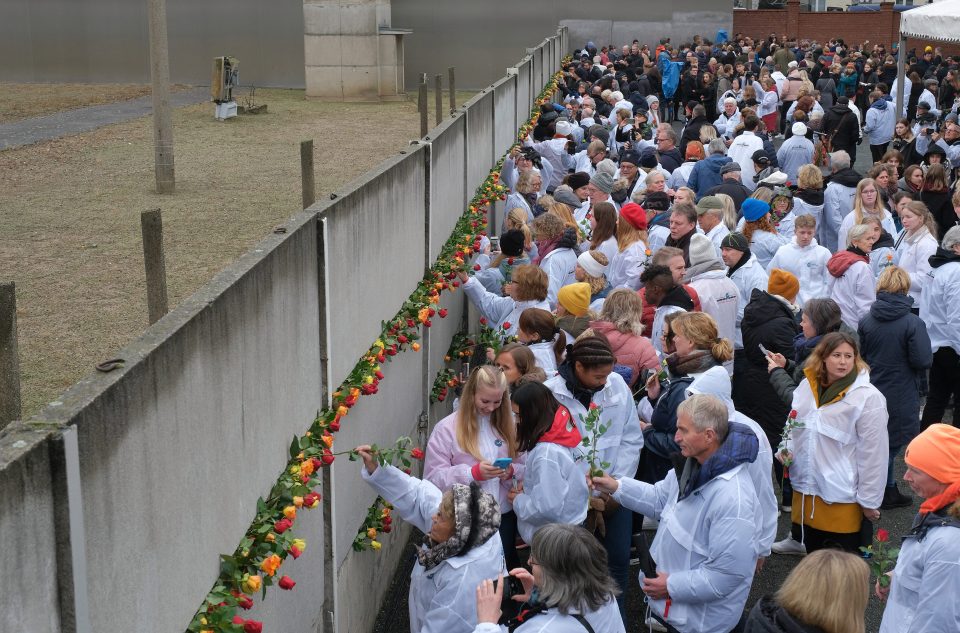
[(706, 173), (704, 548), (837, 199), (728, 120)]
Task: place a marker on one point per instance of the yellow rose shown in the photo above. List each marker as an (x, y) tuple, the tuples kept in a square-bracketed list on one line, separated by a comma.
[(375, 545), (300, 544), (270, 537), (251, 584), (290, 512), (295, 470), (298, 502)]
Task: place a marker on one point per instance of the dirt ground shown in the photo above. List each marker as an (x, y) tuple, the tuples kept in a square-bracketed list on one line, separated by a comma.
[(70, 215)]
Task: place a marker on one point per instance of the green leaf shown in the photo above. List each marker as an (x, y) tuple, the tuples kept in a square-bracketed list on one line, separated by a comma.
[(294, 447)]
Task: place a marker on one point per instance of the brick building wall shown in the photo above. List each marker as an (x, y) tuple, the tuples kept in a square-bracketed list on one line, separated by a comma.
[(878, 27)]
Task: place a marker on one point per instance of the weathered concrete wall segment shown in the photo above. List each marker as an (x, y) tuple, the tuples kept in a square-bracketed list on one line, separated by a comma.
[(119, 497)]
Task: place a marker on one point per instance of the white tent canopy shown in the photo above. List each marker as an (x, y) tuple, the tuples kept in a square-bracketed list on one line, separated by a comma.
[(937, 21)]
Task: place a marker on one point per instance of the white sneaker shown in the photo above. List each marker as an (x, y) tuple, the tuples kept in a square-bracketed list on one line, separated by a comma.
[(650, 524), (789, 546)]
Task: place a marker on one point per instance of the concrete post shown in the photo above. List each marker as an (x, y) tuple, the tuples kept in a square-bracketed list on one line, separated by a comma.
[(306, 173), (438, 93), (422, 104), (162, 117), (151, 225), (9, 356), (453, 91)]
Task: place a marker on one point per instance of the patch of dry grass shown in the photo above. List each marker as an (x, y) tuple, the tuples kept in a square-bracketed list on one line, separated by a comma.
[(21, 101), (70, 225)]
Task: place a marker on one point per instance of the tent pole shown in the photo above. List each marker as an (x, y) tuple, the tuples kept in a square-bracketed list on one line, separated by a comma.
[(901, 72)]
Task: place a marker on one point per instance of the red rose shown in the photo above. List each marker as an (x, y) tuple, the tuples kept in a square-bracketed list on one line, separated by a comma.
[(238, 620), (431, 312), (483, 320), (427, 323), (317, 464), (252, 626), (443, 313), (510, 261), (793, 414), (335, 425), (456, 284), (310, 499), (386, 528), (282, 525), (287, 583), (327, 457), (593, 405), (378, 374), (477, 267), (402, 338), (244, 602), (506, 325), (416, 453), (295, 551), (883, 535)]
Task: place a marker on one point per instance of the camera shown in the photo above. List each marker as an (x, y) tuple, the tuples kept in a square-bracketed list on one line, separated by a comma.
[(512, 588)]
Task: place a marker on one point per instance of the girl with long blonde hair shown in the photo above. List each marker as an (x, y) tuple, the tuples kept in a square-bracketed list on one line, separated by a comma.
[(866, 202), (464, 446)]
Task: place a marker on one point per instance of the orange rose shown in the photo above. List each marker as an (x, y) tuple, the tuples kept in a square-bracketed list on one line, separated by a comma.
[(271, 564)]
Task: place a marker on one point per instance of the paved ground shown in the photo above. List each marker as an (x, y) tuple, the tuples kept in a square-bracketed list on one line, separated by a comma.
[(69, 122)]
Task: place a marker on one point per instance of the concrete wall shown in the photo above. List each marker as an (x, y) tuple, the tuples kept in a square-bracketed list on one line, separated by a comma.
[(29, 600), (679, 25), (120, 496), (92, 41)]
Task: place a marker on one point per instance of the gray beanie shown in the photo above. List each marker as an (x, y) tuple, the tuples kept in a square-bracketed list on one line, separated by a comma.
[(602, 181), (701, 250), (565, 194)]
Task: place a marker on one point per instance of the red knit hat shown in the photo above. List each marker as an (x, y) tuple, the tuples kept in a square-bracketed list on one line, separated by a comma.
[(635, 215)]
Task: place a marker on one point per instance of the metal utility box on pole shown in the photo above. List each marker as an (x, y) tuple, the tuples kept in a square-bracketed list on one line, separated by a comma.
[(162, 116)]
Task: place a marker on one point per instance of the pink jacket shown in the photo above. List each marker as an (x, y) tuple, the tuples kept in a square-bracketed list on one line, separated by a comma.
[(636, 352), (446, 463)]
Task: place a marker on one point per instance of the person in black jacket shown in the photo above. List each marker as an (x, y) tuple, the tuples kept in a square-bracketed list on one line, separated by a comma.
[(769, 320), (841, 126), (894, 342), (696, 119)]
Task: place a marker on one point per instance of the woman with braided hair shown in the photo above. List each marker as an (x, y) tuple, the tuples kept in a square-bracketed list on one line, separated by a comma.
[(585, 380)]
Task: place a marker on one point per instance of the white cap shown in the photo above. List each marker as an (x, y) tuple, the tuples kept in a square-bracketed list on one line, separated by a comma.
[(799, 129), (564, 127), (792, 64)]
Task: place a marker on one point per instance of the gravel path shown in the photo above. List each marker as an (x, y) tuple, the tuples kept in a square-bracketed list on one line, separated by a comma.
[(69, 122)]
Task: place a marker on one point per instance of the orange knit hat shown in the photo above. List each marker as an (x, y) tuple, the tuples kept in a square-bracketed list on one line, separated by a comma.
[(936, 452)]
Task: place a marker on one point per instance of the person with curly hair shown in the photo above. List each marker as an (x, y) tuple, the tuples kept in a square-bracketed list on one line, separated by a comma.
[(758, 228)]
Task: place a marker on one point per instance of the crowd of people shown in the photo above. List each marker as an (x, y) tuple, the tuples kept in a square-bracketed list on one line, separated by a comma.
[(710, 318)]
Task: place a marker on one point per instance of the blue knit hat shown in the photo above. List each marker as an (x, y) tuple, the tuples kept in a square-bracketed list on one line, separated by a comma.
[(754, 209)]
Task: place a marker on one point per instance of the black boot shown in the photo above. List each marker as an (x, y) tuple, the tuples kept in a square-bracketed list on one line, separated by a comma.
[(893, 498)]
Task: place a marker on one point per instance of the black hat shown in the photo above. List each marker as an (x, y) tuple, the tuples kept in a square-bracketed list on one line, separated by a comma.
[(656, 201), (760, 157), (630, 156), (736, 241), (577, 180), (648, 158), (511, 243)]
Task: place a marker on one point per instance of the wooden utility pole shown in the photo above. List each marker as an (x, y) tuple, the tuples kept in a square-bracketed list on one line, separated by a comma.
[(162, 117), (154, 262), (306, 173), (9, 356)]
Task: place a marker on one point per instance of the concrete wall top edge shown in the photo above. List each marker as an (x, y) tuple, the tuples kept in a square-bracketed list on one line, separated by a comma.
[(446, 124), (19, 439), (322, 207), (96, 384)]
